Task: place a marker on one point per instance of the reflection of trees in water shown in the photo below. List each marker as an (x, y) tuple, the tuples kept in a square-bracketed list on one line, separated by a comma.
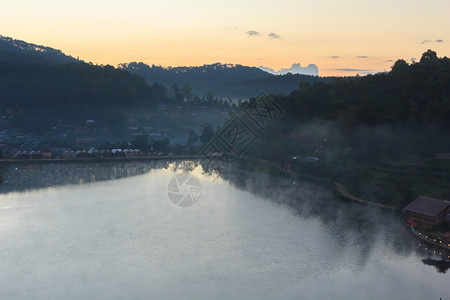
[(26, 176), (349, 224), (186, 166), (441, 265), (23, 176)]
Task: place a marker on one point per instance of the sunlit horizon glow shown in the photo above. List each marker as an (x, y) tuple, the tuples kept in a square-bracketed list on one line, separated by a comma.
[(342, 38)]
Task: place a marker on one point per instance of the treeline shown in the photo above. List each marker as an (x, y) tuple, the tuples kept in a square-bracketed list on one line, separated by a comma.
[(411, 95), (39, 94), (12, 50), (223, 80), (377, 134), (206, 74), (386, 115)]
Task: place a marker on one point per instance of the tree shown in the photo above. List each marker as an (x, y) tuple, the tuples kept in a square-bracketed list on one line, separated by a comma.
[(209, 97), (162, 145), (430, 55), (177, 95), (186, 91), (207, 133), (192, 138), (400, 67), (140, 142)]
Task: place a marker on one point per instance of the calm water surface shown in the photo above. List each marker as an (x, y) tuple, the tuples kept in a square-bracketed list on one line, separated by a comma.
[(249, 236)]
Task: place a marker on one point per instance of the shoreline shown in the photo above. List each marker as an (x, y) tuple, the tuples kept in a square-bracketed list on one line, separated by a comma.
[(339, 187), (425, 239), (102, 159)]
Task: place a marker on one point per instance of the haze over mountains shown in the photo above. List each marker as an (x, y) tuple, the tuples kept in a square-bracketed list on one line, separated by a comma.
[(223, 80)]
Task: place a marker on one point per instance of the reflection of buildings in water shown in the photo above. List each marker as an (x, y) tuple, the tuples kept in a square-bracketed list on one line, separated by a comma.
[(347, 223), (434, 257), (21, 177)]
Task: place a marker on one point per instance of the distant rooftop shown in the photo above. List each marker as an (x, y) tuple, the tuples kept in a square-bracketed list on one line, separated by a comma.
[(427, 206)]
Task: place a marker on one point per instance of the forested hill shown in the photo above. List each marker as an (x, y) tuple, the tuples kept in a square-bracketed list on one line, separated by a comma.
[(412, 96), (208, 74), (223, 80), (384, 136), (12, 50), (46, 93)]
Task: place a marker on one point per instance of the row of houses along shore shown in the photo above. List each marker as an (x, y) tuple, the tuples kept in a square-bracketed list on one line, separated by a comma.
[(69, 154)]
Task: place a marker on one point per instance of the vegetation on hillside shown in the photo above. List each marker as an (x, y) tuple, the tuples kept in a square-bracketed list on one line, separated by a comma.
[(376, 133)]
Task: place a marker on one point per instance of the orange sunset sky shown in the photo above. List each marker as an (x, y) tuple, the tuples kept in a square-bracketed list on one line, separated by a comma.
[(341, 37)]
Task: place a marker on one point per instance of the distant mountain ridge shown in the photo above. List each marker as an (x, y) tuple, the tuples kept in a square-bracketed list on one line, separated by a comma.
[(12, 50), (223, 80), (296, 68), (213, 73)]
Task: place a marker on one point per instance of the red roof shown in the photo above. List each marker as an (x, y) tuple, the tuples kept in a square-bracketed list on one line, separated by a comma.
[(427, 206)]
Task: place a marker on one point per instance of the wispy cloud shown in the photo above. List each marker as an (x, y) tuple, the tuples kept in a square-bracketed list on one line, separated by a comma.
[(273, 36), (335, 56), (389, 60), (431, 41), (362, 56), (253, 33), (351, 70)]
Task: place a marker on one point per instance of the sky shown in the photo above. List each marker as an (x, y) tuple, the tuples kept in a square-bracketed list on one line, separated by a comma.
[(341, 37)]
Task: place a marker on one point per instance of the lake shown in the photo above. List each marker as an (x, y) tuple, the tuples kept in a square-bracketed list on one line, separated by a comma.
[(124, 231)]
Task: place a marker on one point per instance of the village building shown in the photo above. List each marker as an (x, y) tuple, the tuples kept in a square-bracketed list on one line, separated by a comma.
[(428, 210)]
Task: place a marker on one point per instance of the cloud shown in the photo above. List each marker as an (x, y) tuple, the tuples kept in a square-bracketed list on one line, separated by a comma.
[(335, 56), (389, 60), (362, 56), (357, 71), (431, 41), (273, 36), (294, 69), (351, 70), (253, 33)]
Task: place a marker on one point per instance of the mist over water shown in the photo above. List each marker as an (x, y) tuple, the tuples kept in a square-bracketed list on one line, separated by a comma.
[(251, 236)]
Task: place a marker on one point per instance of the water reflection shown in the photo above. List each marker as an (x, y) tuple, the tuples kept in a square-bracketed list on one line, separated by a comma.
[(26, 176), (352, 228), (441, 265)]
